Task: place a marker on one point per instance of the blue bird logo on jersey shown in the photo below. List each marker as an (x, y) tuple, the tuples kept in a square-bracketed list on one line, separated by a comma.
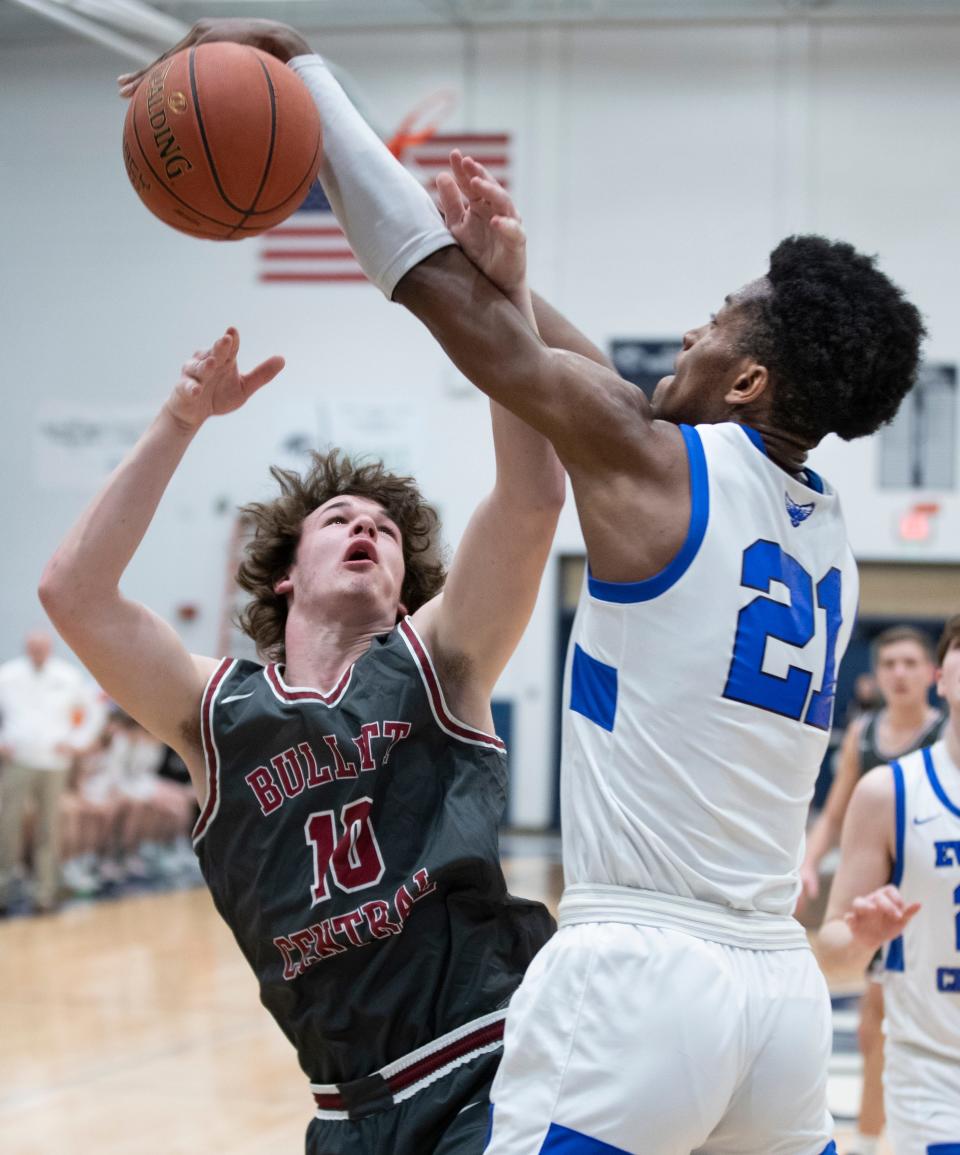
[(798, 513)]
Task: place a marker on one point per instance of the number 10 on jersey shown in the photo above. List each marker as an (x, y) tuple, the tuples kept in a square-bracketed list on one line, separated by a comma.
[(795, 623)]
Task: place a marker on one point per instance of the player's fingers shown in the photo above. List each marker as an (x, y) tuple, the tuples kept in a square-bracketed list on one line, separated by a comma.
[(511, 231), (457, 169), (127, 85), (226, 346), (475, 168), (451, 199), (494, 195), (886, 907), (262, 374), (128, 81), (910, 911)]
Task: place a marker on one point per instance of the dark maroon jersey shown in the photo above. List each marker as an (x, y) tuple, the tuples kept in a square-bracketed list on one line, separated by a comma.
[(349, 840)]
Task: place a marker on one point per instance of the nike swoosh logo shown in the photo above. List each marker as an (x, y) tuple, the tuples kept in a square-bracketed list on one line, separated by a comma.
[(924, 821), (240, 697), (475, 1103)]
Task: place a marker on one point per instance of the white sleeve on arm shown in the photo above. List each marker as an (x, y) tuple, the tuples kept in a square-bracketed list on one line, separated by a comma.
[(388, 217)]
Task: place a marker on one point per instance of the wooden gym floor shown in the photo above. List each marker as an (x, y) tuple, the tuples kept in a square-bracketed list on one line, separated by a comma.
[(133, 1028)]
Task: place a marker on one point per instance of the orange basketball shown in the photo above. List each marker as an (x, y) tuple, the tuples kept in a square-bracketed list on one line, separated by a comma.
[(221, 141)]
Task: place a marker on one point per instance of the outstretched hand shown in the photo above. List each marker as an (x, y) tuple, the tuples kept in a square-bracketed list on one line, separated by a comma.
[(484, 222), (878, 917), (279, 40), (211, 384)]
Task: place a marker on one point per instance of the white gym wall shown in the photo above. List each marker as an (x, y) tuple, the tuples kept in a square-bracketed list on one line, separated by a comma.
[(655, 167)]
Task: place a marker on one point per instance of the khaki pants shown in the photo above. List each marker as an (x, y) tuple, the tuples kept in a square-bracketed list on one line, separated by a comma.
[(18, 786)]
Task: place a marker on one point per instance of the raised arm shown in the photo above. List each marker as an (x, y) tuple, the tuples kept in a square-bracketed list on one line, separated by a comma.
[(474, 626), (865, 910), (560, 333), (476, 183), (625, 466), (136, 657)]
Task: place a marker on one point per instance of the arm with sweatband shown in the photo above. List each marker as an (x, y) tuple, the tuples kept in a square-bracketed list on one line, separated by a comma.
[(388, 217)]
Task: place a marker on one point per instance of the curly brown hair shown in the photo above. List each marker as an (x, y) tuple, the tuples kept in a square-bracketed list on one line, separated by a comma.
[(277, 526)]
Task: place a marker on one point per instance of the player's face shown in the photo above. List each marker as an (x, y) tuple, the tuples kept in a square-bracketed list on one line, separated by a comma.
[(708, 365), (948, 677), (350, 555), (904, 672), (37, 647)]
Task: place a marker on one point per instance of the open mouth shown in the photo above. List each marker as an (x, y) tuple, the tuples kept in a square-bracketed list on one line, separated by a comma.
[(362, 551)]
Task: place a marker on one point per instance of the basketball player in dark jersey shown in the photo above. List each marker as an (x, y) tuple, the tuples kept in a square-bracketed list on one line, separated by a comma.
[(351, 789), (904, 667), (599, 1053)]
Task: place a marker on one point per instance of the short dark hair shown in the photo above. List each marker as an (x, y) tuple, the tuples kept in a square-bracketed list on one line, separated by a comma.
[(277, 526), (839, 338), (950, 635), (896, 634)]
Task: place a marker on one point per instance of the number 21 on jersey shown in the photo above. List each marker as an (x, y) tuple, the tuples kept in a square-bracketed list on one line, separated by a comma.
[(795, 623)]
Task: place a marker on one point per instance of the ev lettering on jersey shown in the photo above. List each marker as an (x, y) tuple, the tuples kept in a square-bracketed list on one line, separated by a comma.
[(948, 853), (376, 919), (310, 765)]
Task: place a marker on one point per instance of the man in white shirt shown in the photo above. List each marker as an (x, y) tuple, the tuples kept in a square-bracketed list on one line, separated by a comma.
[(48, 713)]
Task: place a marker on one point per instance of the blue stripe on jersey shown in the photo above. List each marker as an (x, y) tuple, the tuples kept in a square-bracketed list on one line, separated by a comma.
[(943, 1149), (653, 587), (755, 438), (813, 480), (564, 1141), (830, 1149), (893, 960), (900, 800), (935, 782), (593, 689)]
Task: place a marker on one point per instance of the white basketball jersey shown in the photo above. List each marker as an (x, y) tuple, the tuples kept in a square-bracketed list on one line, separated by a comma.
[(922, 967), (698, 703)]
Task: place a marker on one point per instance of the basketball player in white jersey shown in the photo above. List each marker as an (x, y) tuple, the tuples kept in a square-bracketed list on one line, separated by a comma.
[(679, 1008), (902, 659), (898, 886)]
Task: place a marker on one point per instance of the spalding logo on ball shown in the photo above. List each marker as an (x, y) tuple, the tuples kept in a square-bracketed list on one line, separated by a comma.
[(222, 141)]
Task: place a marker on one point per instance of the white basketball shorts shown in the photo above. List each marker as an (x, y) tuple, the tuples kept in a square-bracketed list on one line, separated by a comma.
[(922, 1097), (649, 1041)]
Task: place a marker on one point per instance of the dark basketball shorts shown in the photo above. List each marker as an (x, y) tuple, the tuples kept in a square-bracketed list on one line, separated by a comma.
[(443, 1111)]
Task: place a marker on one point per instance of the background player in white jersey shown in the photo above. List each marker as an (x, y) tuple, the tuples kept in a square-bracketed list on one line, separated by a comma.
[(899, 884), (679, 1007), (902, 659)]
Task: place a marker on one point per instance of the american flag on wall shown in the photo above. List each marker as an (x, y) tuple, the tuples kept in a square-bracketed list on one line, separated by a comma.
[(310, 248)]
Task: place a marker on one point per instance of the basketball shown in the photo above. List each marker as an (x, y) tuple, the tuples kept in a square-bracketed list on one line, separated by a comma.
[(221, 141)]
